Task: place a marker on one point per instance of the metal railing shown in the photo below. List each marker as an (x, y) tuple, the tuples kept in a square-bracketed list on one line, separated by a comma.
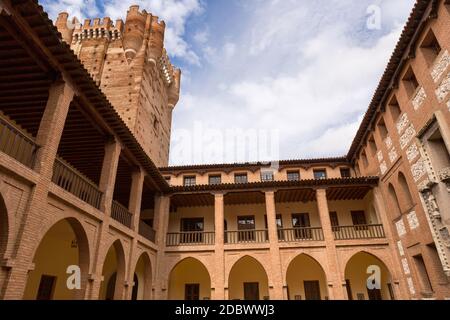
[(74, 182), (190, 238), (366, 231), (17, 145), (146, 231), (246, 236), (300, 234), (121, 214)]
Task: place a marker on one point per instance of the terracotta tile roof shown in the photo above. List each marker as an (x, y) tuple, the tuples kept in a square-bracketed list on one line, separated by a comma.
[(420, 13), (366, 181)]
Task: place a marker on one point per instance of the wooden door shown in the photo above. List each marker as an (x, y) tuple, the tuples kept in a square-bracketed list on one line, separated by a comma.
[(46, 287), (312, 290), (192, 292), (251, 291)]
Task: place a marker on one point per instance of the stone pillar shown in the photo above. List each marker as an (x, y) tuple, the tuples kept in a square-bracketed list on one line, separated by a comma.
[(161, 223), (275, 259), (48, 138), (335, 282), (109, 173), (219, 278)]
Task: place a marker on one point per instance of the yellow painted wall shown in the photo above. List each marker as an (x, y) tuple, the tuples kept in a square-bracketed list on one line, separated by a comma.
[(189, 271), (304, 268), (194, 212), (52, 258), (109, 267), (356, 272), (254, 176), (247, 269), (140, 273)]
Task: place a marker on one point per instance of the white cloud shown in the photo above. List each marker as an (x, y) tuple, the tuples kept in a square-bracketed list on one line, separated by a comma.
[(306, 72), (174, 12)]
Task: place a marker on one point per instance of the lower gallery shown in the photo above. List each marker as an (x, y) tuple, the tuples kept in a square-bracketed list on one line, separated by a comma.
[(90, 209)]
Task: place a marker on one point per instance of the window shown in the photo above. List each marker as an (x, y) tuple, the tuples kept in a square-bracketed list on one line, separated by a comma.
[(240, 178), (345, 173), (372, 146), (167, 178), (246, 228), (189, 181), (430, 47), (192, 292), (191, 230), (148, 222), (364, 159), (334, 221), (410, 80), (359, 220), (266, 176), (320, 174), (394, 108), (423, 275), (46, 287), (215, 179), (301, 222), (382, 128), (293, 175)]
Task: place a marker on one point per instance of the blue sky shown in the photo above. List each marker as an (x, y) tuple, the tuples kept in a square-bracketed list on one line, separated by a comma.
[(299, 72)]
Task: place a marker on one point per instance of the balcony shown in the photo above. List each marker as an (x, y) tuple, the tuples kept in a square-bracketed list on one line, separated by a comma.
[(146, 231), (300, 234), (74, 182), (17, 145), (121, 214), (373, 231), (246, 236), (190, 238)]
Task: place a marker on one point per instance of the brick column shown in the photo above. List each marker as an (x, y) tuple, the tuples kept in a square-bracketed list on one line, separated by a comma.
[(109, 173), (48, 138), (161, 223), (137, 185), (219, 278), (275, 259), (335, 281)]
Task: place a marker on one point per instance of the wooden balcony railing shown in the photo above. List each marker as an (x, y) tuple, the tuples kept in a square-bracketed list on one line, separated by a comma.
[(146, 231), (246, 236), (190, 238), (121, 214), (372, 231), (300, 234), (74, 182), (17, 145)]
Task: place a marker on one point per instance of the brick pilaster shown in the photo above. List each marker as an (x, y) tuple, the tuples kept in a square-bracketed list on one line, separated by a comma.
[(219, 279)]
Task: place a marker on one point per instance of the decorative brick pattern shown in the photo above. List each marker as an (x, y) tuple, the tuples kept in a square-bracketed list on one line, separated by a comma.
[(412, 220), (406, 138), (405, 266), (443, 89), (412, 152), (383, 167), (440, 66), (410, 282), (380, 156), (418, 169), (402, 123), (419, 98), (401, 251), (393, 155), (388, 142), (401, 230)]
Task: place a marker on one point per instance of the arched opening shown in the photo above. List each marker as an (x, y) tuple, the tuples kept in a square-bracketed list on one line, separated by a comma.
[(393, 204), (248, 280), (113, 273), (142, 289), (408, 203), (189, 280), (306, 279), (361, 272), (64, 245)]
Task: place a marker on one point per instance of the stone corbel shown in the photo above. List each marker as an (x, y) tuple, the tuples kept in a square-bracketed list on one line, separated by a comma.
[(444, 175)]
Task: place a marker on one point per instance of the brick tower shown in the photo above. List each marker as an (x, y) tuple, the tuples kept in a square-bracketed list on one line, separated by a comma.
[(129, 62)]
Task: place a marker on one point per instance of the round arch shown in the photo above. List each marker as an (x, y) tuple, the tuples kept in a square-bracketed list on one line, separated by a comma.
[(248, 280), (189, 279), (365, 268), (306, 279), (113, 272), (142, 278), (64, 245)]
